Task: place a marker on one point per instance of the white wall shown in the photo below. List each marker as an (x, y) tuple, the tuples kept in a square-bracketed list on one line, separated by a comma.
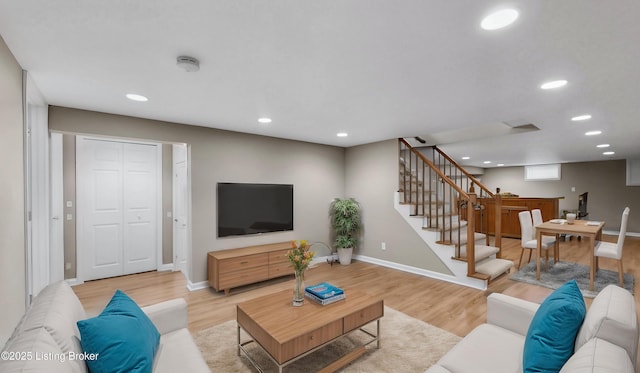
[(372, 178), (12, 236)]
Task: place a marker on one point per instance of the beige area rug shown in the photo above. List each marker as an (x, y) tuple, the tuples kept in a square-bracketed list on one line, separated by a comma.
[(407, 345)]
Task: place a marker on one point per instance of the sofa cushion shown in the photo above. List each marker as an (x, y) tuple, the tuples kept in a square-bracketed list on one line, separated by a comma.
[(122, 336), (550, 340), (56, 308), (612, 317), (488, 348), (598, 355), (36, 350), (179, 353)]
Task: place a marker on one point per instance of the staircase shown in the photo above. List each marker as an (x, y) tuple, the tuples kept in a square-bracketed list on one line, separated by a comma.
[(439, 199)]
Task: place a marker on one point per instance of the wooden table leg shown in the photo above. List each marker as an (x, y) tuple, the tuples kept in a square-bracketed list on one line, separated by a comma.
[(592, 269), (538, 251)]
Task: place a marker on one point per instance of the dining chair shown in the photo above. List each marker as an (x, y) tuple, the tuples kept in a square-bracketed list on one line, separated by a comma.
[(528, 240), (536, 216), (613, 250)]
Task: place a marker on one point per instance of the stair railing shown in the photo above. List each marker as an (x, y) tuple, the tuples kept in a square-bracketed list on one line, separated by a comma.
[(431, 193), (467, 182)]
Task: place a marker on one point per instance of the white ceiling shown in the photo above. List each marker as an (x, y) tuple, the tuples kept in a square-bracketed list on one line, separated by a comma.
[(377, 69)]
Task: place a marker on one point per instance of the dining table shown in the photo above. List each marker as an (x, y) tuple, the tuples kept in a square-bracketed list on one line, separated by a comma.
[(584, 228)]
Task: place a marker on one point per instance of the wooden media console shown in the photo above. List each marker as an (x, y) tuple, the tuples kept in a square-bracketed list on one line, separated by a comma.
[(247, 265)]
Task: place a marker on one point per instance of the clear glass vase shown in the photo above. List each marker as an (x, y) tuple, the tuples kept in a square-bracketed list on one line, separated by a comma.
[(298, 289)]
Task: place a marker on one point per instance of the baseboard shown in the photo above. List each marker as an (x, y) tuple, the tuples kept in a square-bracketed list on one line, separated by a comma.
[(165, 267), (73, 281), (616, 233), (477, 284), (193, 286)]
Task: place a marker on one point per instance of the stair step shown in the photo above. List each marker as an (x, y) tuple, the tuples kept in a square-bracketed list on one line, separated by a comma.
[(494, 267), (463, 237), (481, 252), (447, 226)]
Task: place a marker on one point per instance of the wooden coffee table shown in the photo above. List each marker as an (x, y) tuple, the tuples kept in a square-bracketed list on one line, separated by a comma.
[(288, 333)]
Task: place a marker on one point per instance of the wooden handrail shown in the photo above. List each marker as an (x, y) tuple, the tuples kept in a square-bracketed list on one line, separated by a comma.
[(436, 170), (471, 177)]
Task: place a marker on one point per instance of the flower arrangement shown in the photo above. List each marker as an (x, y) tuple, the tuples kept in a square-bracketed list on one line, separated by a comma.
[(300, 256)]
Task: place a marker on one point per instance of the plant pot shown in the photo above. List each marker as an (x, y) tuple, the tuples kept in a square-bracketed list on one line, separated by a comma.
[(344, 254)]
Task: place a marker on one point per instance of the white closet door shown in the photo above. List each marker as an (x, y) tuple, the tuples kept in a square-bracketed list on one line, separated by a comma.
[(140, 215), (117, 198), (100, 202)]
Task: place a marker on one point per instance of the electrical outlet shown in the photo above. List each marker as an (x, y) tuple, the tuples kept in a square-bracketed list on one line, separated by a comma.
[(383, 246), (573, 189)]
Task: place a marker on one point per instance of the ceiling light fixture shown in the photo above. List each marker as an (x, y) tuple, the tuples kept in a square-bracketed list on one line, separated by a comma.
[(342, 134), (592, 133), (136, 97), (554, 84), (188, 64), (465, 158), (581, 117), (264, 120), (609, 153), (603, 146), (486, 162), (499, 19)]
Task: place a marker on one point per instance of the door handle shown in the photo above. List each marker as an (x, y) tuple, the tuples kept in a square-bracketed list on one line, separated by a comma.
[(56, 218)]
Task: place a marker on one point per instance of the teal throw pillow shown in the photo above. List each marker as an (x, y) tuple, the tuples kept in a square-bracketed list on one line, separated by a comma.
[(552, 333), (122, 337)]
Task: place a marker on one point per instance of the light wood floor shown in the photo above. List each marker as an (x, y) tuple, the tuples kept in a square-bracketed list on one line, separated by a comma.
[(451, 307)]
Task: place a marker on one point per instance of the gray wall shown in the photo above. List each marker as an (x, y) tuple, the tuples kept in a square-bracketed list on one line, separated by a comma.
[(372, 178), (12, 219), (605, 181), (69, 192), (167, 203), (317, 172)]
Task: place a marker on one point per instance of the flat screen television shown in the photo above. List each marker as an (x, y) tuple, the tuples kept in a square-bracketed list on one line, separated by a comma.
[(245, 208)]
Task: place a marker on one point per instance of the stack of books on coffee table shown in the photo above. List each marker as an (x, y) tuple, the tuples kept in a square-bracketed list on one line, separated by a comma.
[(324, 293)]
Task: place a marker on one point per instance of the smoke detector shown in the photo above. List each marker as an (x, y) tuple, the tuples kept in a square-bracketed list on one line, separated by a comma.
[(188, 64)]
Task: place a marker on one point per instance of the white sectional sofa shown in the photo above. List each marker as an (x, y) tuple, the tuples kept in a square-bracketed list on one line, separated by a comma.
[(47, 338), (607, 341)]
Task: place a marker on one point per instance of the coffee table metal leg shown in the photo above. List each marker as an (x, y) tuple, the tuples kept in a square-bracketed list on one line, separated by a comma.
[(238, 340), (378, 334)]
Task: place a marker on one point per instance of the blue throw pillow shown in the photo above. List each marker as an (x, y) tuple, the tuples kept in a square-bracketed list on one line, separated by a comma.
[(122, 337), (552, 333)]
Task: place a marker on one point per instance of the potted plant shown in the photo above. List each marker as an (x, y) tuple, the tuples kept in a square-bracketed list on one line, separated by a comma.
[(346, 223)]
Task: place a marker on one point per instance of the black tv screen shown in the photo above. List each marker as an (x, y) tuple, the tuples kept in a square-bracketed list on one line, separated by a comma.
[(254, 208)]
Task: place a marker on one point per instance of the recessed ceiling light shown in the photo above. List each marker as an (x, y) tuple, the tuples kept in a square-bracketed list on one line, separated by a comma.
[(592, 133), (553, 84), (609, 153), (602, 146), (136, 97), (264, 120), (342, 134), (500, 164), (465, 158), (499, 19), (581, 117), (486, 162)]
